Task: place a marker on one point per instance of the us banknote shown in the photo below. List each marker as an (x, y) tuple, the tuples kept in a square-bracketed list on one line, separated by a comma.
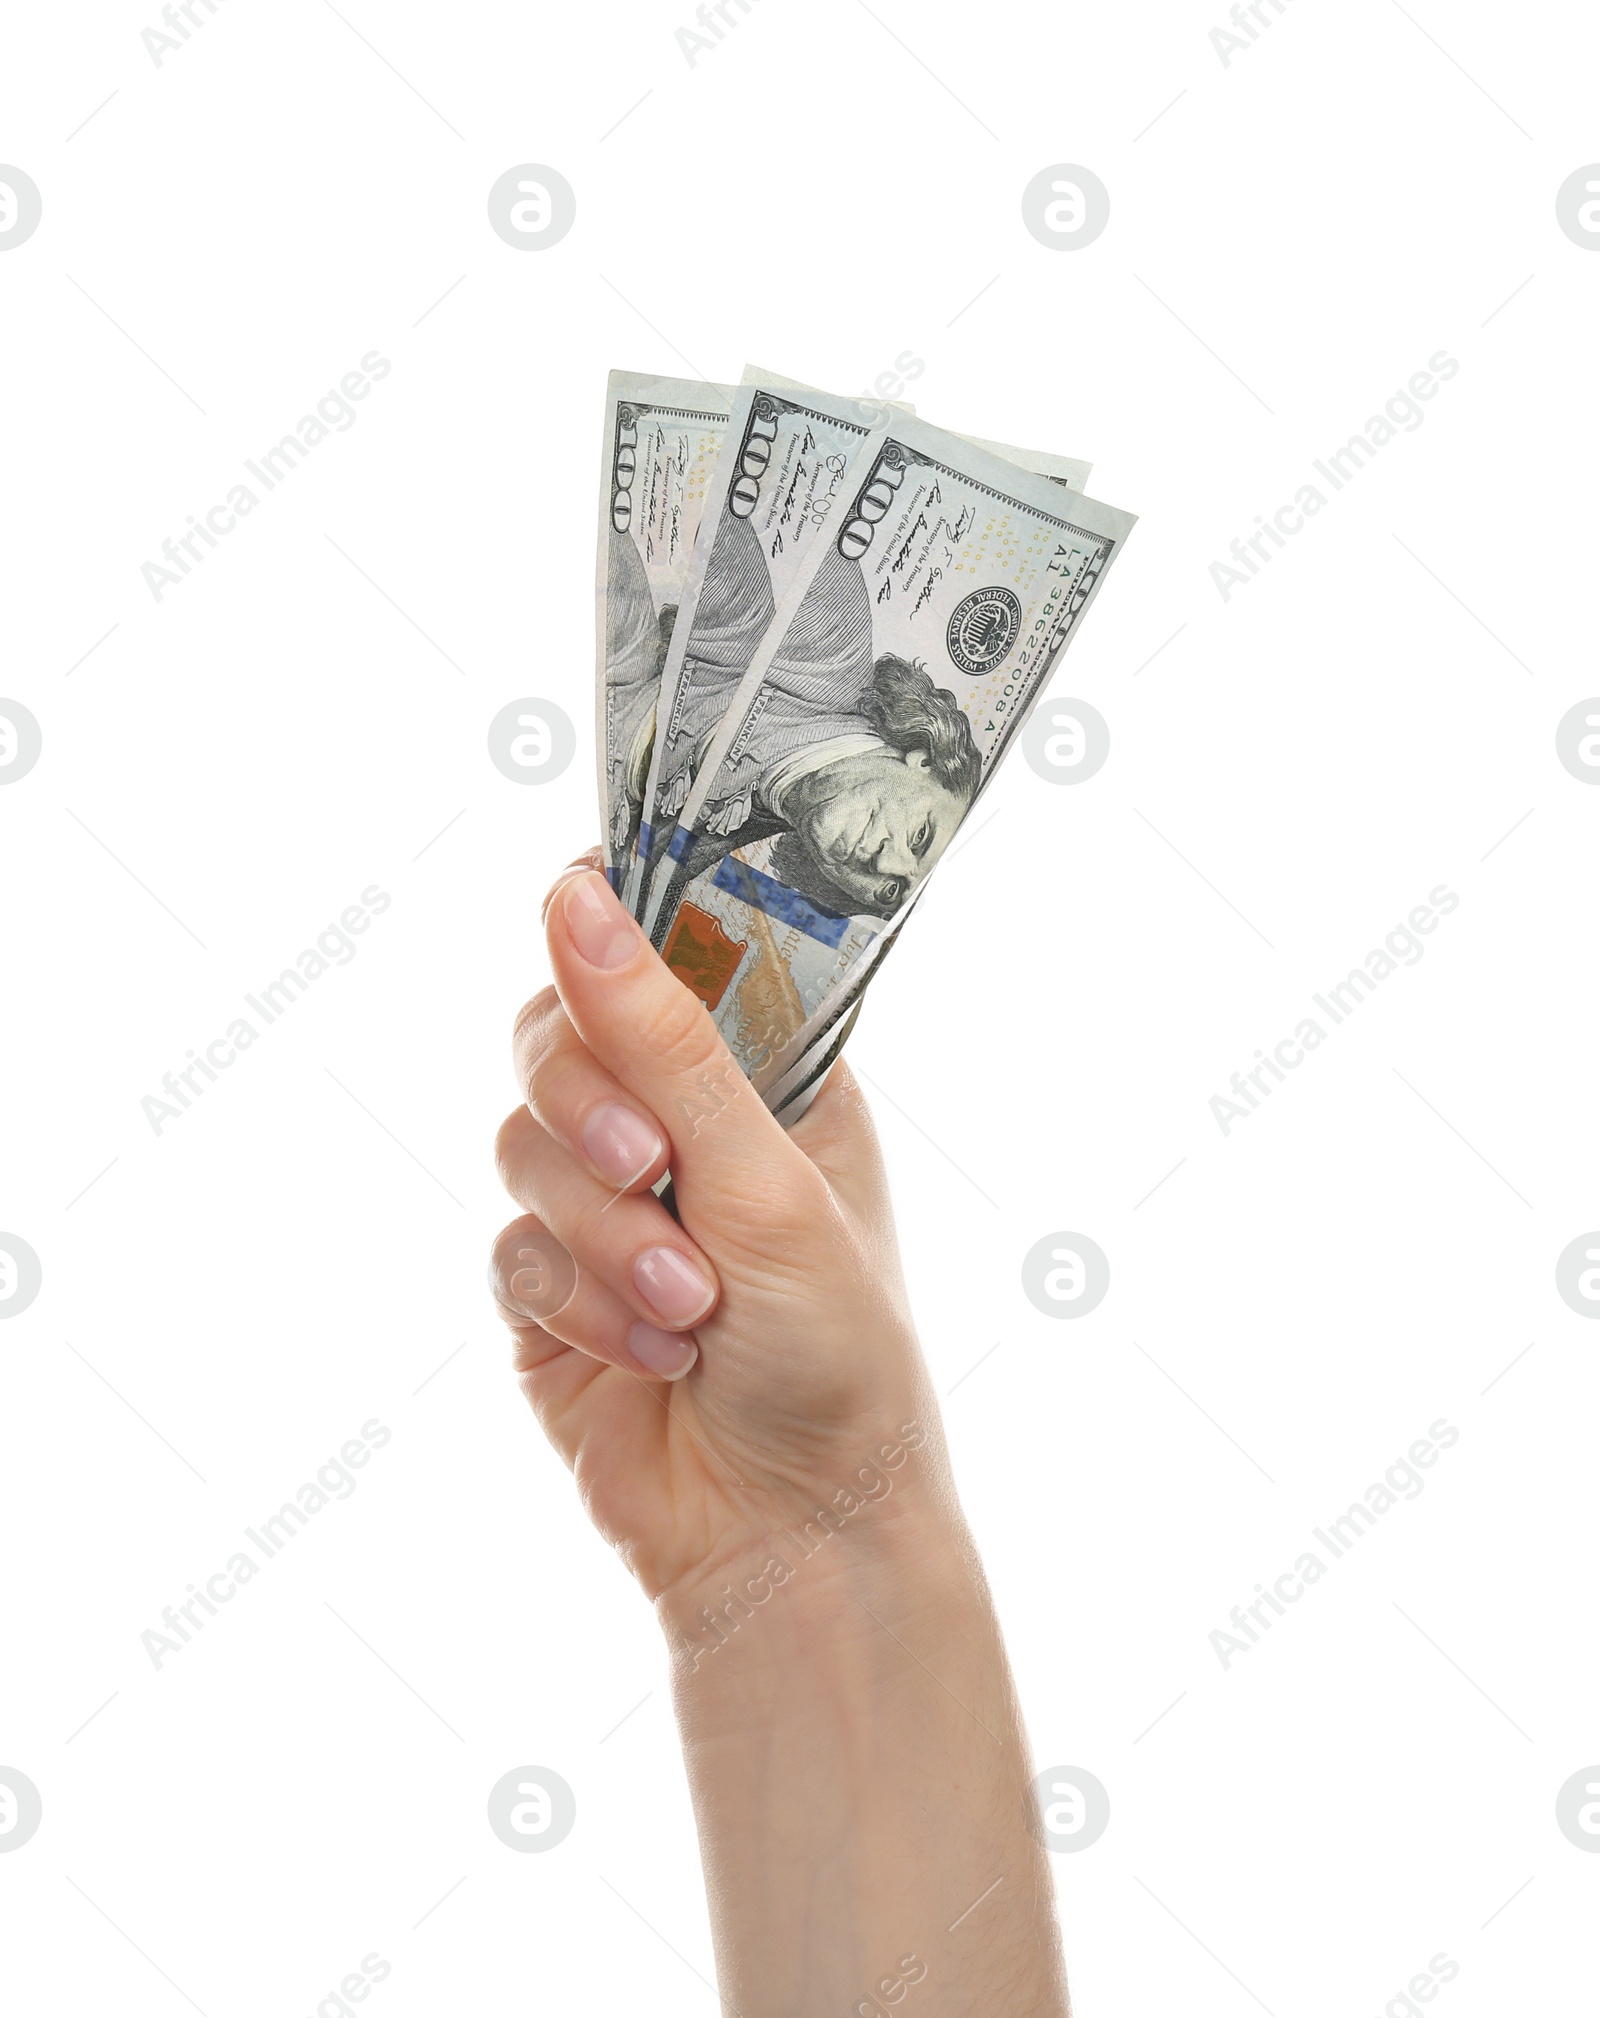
[(785, 467), (662, 440), (906, 654), (792, 1093)]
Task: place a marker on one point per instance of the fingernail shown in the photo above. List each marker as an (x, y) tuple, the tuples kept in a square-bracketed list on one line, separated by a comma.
[(620, 1144), (662, 1353), (674, 1288), (599, 928), (572, 869)]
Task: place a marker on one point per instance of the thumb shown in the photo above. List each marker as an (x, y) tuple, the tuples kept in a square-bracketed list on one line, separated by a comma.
[(640, 1022)]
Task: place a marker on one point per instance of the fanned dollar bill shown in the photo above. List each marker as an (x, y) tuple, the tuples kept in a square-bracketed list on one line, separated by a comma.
[(782, 474), (663, 437), (908, 650)]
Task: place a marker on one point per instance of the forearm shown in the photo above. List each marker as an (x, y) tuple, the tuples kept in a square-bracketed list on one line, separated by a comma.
[(862, 1782)]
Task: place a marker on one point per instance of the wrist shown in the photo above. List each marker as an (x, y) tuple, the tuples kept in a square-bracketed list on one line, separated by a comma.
[(842, 1566)]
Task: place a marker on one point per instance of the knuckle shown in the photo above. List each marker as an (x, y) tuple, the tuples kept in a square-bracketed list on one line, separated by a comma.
[(538, 1025), (550, 1078), (499, 1273), (511, 1144), (516, 1233), (532, 1275)]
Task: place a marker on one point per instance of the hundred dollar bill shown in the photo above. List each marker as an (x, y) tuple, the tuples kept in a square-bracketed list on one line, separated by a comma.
[(662, 440), (782, 474), (909, 649), (790, 1095)]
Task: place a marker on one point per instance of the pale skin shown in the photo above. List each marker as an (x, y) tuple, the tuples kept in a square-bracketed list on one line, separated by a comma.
[(744, 1405)]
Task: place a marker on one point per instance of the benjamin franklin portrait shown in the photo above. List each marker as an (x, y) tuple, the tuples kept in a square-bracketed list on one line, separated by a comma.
[(861, 770)]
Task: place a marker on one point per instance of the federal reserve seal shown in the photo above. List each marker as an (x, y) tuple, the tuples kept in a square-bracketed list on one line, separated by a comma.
[(983, 629)]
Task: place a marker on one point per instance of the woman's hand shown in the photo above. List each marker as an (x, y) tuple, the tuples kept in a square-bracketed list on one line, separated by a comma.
[(743, 1402), (714, 1381)]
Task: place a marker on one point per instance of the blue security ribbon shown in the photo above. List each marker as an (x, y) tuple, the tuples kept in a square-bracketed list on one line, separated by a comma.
[(765, 893)]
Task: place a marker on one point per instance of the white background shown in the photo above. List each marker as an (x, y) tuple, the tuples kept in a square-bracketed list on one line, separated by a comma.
[(1291, 239)]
